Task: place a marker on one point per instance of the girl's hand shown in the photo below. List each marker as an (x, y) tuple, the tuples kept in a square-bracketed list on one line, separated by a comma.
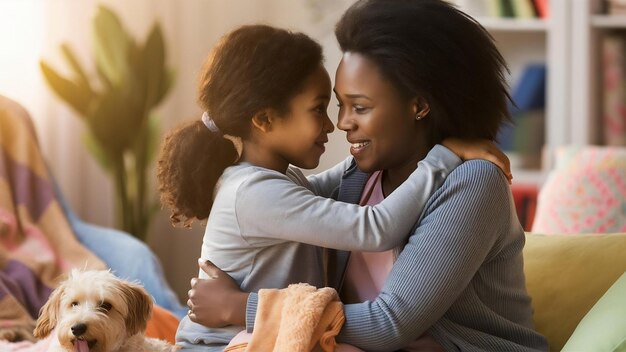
[(480, 149), (218, 301)]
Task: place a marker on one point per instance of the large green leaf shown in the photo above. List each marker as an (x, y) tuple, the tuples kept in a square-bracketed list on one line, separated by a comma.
[(111, 45), (114, 121), (147, 63), (136, 80), (103, 78), (71, 92), (154, 54), (80, 76)]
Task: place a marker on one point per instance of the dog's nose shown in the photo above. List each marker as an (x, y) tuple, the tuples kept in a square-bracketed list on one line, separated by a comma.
[(79, 329)]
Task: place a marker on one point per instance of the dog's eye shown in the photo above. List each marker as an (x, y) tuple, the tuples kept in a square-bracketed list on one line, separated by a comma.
[(106, 306), (74, 304)]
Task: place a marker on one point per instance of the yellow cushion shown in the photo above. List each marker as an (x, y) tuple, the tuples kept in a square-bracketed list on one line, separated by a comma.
[(566, 275)]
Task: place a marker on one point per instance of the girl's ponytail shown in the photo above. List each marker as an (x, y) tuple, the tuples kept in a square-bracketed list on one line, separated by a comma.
[(191, 161)]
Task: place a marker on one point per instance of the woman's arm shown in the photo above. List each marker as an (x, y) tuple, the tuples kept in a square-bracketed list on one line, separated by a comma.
[(463, 221), (271, 206)]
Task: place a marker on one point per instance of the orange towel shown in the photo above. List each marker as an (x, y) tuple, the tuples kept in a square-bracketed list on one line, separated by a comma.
[(162, 325), (299, 318)]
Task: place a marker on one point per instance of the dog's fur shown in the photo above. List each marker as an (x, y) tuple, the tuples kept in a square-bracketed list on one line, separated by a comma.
[(115, 313)]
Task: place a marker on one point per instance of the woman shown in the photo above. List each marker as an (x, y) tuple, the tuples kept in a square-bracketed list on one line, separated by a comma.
[(266, 223), (414, 72)]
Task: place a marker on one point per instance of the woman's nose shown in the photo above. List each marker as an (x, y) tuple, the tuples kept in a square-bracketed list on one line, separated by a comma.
[(344, 122)]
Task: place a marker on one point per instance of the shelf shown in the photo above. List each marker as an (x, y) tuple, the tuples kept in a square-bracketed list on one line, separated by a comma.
[(608, 21), (513, 24)]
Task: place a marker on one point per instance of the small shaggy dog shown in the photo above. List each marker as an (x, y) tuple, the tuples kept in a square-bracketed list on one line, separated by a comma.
[(94, 311)]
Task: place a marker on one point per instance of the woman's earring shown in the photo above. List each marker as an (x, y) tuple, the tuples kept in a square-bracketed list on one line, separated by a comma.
[(418, 117)]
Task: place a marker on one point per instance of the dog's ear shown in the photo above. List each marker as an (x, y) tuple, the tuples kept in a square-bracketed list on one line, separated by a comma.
[(48, 314), (139, 307)]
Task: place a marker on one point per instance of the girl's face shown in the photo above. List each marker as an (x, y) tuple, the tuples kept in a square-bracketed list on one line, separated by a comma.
[(380, 124), (302, 133)]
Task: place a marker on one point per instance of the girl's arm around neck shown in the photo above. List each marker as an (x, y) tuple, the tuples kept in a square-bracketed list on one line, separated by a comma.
[(327, 182), (271, 206)]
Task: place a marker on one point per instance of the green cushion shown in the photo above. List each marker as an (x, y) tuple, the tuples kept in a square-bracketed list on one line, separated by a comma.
[(603, 329), (566, 275)]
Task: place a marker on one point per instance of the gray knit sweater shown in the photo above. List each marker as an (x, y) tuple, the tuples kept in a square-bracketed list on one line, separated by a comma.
[(460, 276)]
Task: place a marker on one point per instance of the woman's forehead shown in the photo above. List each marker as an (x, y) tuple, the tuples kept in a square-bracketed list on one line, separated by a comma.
[(359, 75)]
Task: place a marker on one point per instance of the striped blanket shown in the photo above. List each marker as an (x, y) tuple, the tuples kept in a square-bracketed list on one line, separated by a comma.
[(37, 244)]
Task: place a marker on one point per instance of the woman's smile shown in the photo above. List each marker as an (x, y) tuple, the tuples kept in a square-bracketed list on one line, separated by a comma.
[(358, 147)]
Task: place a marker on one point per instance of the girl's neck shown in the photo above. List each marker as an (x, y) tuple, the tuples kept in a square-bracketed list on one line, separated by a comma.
[(256, 155)]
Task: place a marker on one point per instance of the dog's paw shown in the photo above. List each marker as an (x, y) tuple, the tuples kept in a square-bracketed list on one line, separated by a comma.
[(17, 334)]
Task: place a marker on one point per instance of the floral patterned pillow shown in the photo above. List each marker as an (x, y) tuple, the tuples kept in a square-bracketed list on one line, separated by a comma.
[(585, 193)]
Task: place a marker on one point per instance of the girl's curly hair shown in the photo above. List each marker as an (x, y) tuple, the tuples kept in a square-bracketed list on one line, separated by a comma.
[(251, 68)]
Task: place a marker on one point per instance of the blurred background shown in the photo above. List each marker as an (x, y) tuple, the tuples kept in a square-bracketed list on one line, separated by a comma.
[(560, 53), (33, 30)]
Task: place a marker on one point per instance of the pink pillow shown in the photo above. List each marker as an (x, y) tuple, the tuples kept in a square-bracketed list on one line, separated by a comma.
[(585, 193)]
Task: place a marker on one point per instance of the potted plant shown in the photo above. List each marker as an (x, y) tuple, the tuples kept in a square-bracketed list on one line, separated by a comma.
[(116, 103)]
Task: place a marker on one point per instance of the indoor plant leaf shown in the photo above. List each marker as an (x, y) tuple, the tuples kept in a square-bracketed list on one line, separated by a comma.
[(111, 120), (117, 103), (71, 92), (137, 82), (153, 55), (111, 45), (79, 74)]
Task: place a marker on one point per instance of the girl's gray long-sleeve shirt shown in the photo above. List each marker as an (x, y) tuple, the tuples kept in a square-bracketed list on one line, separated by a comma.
[(460, 276), (267, 229)]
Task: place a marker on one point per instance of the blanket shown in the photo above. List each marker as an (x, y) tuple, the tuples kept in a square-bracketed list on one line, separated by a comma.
[(37, 243), (300, 318)]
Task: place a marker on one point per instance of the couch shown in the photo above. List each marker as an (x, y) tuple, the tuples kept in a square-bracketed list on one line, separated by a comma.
[(41, 238), (568, 277), (575, 254)]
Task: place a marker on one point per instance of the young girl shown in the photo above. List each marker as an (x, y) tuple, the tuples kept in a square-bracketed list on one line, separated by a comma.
[(267, 222)]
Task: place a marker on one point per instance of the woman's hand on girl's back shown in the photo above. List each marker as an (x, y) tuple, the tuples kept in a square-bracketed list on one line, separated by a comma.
[(217, 301), (480, 149)]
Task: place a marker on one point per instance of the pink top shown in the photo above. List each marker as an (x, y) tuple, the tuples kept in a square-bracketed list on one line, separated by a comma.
[(367, 271)]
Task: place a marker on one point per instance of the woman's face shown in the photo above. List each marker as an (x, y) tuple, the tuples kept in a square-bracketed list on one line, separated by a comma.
[(300, 136), (379, 123)]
